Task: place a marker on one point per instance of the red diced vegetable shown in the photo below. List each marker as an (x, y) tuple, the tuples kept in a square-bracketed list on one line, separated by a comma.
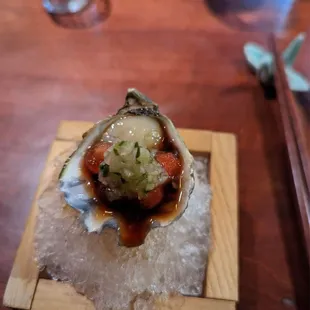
[(153, 198), (95, 155), (169, 162)]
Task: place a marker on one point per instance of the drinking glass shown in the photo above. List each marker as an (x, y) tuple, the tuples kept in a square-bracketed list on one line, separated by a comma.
[(77, 13)]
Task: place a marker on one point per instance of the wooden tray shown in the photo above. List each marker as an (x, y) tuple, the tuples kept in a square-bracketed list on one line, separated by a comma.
[(26, 290)]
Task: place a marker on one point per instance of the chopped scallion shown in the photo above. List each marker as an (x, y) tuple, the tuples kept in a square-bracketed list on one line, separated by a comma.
[(104, 169)]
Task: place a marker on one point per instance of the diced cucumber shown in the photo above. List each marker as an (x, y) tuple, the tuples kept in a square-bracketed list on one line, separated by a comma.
[(131, 169), (126, 173), (145, 156), (123, 148), (149, 187)]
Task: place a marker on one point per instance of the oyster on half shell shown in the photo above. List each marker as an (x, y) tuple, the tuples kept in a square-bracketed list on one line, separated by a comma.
[(140, 127)]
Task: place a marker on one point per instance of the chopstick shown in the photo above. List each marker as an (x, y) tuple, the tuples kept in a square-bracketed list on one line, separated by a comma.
[(296, 142)]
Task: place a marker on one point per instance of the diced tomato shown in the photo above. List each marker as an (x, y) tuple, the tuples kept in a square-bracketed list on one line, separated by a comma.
[(95, 155), (169, 162), (153, 198)]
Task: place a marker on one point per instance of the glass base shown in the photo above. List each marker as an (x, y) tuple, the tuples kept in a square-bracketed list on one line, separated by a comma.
[(77, 13)]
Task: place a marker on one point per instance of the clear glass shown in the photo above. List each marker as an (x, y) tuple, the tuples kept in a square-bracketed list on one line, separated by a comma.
[(77, 13), (65, 6)]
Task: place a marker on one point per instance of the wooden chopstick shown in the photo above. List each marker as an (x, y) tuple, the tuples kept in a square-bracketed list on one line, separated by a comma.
[(296, 142)]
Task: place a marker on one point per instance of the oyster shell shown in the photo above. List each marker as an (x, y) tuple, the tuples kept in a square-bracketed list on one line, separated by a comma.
[(148, 122)]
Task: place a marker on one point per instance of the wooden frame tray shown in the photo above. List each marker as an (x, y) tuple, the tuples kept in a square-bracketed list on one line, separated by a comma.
[(26, 290)]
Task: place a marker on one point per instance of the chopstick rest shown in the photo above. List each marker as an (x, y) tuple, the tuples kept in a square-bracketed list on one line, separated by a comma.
[(261, 62)]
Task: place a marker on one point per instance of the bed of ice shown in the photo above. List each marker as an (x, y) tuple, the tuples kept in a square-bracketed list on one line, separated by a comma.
[(171, 261)]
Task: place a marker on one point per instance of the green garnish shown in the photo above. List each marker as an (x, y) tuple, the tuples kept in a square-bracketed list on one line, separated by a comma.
[(104, 169), (138, 152), (142, 178), (115, 151), (121, 143)]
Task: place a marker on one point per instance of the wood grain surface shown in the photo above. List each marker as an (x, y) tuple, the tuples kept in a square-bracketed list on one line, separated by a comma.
[(223, 180), (186, 55), (63, 296)]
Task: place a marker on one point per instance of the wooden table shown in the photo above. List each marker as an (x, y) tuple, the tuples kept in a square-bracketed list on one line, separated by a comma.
[(185, 58)]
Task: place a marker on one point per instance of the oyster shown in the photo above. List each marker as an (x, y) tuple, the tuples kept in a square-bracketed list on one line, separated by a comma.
[(130, 173)]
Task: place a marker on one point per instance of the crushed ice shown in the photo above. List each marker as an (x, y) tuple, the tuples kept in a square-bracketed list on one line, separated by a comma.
[(171, 261)]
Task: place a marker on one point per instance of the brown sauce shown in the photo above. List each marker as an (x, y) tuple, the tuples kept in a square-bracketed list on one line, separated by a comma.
[(135, 221)]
